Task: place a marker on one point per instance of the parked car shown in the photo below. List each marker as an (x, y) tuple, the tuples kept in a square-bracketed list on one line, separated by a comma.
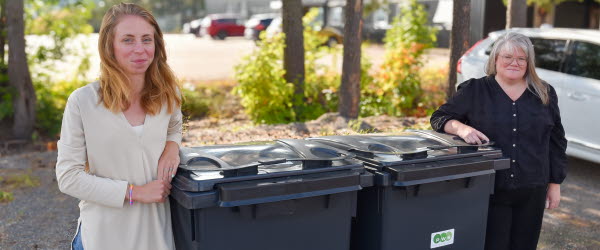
[(221, 26), (195, 26), (257, 24), (334, 35), (569, 60)]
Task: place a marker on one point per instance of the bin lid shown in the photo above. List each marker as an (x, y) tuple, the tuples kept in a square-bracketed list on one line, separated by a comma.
[(406, 147), (203, 167), (416, 155)]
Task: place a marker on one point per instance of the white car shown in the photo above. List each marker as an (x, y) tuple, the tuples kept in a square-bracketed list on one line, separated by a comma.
[(569, 60), (257, 24)]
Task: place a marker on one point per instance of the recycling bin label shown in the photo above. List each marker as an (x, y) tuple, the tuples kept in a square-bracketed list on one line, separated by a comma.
[(442, 238)]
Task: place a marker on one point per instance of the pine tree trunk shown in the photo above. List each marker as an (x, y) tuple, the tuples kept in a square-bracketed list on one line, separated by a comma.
[(516, 14), (349, 92), (293, 54), (18, 72), (2, 29), (459, 39)]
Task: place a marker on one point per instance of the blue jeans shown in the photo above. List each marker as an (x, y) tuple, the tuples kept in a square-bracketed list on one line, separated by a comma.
[(76, 244)]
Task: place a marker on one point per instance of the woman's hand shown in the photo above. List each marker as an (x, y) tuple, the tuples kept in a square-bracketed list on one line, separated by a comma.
[(152, 192), (168, 162), (553, 196), (466, 132)]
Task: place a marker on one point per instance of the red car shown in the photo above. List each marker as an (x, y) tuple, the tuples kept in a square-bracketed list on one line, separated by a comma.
[(220, 26)]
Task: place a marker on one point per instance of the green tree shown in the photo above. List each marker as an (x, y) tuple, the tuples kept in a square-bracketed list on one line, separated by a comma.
[(60, 23), (34, 93), (516, 14), (65, 27), (18, 72), (266, 95), (459, 39), (397, 89), (349, 92), (293, 51)]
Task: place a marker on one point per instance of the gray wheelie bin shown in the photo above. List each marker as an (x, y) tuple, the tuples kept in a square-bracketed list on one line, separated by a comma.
[(287, 194), (431, 190)]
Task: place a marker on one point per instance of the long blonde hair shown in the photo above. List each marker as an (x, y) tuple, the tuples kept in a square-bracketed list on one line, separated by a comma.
[(513, 40), (160, 83)]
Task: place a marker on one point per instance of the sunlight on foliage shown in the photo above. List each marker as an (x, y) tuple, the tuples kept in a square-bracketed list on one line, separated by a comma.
[(267, 97), (396, 89)]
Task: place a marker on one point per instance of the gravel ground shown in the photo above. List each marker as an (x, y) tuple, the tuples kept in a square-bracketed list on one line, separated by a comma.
[(38, 217), (575, 224), (42, 217)]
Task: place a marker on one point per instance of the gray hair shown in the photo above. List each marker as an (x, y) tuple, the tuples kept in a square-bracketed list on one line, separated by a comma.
[(512, 40)]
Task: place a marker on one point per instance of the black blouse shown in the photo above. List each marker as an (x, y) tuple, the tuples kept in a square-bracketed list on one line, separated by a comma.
[(528, 132)]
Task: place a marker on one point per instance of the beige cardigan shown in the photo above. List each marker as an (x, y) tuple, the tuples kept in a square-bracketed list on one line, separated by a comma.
[(116, 157)]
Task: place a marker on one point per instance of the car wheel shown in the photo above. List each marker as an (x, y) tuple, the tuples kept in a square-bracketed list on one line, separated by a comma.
[(222, 35)]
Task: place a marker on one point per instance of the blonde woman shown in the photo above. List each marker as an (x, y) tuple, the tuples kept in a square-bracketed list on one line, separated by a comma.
[(514, 108), (127, 129)]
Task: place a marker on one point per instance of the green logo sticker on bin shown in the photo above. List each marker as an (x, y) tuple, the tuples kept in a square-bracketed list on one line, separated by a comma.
[(442, 238)]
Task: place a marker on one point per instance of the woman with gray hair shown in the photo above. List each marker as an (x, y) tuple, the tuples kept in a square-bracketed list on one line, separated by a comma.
[(514, 108)]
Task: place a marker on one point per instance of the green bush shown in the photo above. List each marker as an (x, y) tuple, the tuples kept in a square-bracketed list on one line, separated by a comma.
[(51, 101), (264, 93), (59, 23), (6, 94), (396, 89), (268, 98), (194, 104), (434, 82)]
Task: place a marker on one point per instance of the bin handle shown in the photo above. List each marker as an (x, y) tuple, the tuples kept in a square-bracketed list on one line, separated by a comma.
[(448, 139), (485, 144), (203, 157)]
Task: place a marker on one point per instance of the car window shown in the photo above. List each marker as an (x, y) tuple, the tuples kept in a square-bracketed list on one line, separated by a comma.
[(266, 22), (584, 61), (549, 53), (227, 20)]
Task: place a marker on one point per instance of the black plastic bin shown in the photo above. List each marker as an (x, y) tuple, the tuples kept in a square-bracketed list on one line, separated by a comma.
[(431, 190), (287, 194)]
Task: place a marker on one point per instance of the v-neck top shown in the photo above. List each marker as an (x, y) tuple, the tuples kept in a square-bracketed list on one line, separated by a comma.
[(138, 129), (526, 130), (117, 156)]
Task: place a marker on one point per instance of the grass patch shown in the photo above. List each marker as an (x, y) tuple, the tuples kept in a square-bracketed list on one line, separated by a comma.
[(19, 180), (6, 197), (16, 180), (210, 99)]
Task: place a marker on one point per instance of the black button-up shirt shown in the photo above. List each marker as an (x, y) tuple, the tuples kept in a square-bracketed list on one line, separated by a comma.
[(528, 132)]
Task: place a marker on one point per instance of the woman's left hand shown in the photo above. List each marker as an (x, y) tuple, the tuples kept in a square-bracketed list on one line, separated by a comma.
[(168, 162), (553, 196)]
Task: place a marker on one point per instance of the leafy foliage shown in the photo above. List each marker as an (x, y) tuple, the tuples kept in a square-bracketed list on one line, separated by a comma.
[(6, 196), (6, 94), (265, 94), (396, 88), (56, 24), (51, 101), (433, 83), (194, 105)]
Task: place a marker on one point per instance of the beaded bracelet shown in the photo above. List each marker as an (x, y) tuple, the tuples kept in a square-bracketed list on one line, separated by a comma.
[(130, 194)]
